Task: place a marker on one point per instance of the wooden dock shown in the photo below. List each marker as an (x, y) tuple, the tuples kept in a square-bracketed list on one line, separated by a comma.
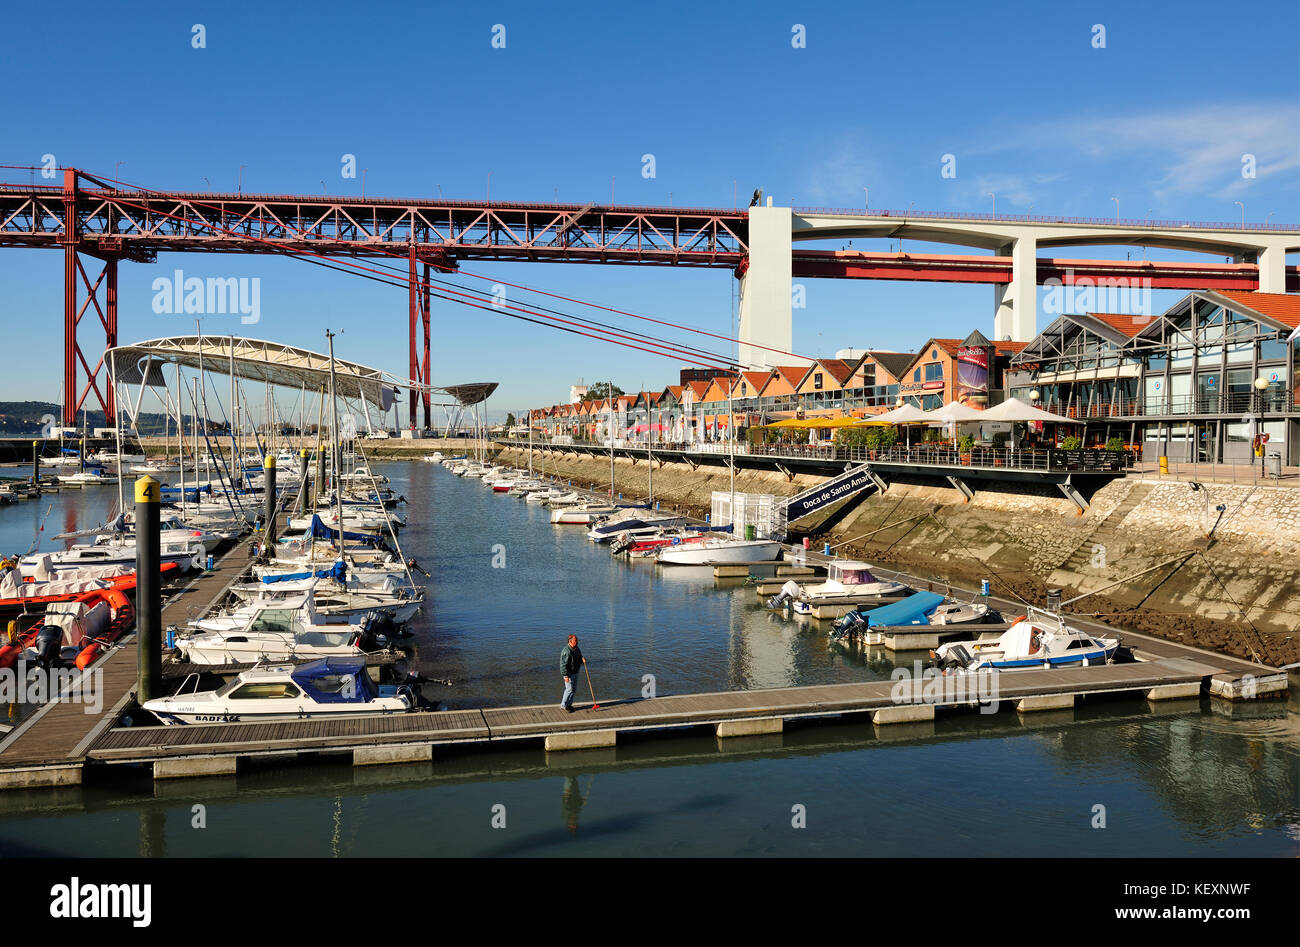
[(49, 747), (412, 737)]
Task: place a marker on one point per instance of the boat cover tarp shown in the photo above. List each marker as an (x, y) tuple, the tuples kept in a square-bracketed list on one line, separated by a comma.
[(336, 680), (337, 571), (319, 530), (910, 611)]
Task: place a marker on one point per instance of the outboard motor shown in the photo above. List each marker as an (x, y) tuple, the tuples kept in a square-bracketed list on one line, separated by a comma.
[(48, 645), (787, 593), (954, 658), (620, 543), (849, 624)]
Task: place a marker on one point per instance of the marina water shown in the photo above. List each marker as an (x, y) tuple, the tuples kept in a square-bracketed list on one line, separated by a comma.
[(1115, 777)]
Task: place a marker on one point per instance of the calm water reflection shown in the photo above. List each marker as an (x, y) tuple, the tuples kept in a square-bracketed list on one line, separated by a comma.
[(1195, 778)]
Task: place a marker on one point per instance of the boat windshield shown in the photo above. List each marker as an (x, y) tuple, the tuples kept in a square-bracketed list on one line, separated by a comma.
[(273, 619)]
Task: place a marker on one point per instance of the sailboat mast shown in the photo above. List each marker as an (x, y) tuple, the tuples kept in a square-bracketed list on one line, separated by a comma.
[(335, 445), (117, 428)]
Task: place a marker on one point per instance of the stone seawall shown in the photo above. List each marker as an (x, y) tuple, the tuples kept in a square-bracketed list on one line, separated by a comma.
[(1221, 579)]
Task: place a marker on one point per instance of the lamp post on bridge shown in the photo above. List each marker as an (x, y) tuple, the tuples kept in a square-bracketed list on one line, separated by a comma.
[(1243, 213)]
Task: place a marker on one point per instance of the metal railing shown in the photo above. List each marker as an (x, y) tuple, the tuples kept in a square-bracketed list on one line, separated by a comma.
[(1229, 403), (1050, 459)]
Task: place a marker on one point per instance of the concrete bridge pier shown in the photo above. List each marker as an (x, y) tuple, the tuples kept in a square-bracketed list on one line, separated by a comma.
[(1015, 304), (1272, 269), (766, 313)]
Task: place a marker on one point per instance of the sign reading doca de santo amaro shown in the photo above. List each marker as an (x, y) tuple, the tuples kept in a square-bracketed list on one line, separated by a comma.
[(846, 484)]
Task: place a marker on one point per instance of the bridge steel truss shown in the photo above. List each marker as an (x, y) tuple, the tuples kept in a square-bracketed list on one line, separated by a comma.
[(111, 224), (87, 217)]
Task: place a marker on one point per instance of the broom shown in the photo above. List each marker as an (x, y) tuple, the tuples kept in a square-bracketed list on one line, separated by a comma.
[(594, 705)]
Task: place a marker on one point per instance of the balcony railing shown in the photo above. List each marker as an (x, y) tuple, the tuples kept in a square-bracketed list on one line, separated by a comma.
[(921, 455), (1229, 403)]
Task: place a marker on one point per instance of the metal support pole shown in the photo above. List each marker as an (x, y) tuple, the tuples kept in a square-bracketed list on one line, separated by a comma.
[(110, 338), (70, 237), (148, 591), (36, 463), (427, 378), (272, 507), (413, 307)]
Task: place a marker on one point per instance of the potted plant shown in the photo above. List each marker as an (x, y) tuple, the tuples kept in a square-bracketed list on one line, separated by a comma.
[(965, 444)]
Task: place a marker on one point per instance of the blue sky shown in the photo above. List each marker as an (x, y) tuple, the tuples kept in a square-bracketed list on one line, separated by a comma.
[(716, 92)]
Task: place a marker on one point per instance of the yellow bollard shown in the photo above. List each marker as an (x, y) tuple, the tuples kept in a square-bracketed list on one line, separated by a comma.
[(1164, 466)]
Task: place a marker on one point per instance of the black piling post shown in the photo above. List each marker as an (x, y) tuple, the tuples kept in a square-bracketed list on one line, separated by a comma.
[(36, 463), (304, 495), (148, 591), (268, 486)]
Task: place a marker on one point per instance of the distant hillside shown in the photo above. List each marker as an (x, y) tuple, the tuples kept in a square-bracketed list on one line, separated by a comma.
[(30, 419)]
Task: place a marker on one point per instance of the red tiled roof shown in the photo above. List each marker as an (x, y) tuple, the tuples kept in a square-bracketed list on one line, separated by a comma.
[(840, 369), (698, 388), (1284, 307), (1009, 348), (756, 379), (793, 374), (1124, 322)]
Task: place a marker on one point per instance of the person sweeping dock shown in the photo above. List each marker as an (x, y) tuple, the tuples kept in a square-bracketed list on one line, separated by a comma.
[(571, 662)]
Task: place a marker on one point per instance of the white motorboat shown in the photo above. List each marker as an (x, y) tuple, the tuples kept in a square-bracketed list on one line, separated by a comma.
[(919, 608), (84, 478), (848, 582), (273, 630), (582, 514), (117, 553), (1037, 640), (328, 688), (362, 476), (572, 498), (633, 522), (333, 598), (434, 458), (719, 552)]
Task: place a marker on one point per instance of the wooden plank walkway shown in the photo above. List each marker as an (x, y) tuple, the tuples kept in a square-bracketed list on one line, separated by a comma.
[(146, 744), (60, 731)]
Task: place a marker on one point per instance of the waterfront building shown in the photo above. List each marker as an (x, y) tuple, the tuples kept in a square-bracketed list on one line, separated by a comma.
[(873, 387), (1196, 383), (820, 392), (776, 398), (946, 370)]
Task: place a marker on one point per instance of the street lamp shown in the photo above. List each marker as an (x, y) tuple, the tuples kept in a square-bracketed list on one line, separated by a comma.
[(1261, 383), (1116, 200), (995, 202), (1266, 217), (1243, 212), (866, 199), (241, 178)]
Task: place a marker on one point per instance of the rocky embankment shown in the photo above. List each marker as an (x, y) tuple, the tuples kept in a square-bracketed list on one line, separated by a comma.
[(1154, 556)]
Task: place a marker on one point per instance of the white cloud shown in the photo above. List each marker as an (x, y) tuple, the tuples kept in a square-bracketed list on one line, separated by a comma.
[(1189, 151)]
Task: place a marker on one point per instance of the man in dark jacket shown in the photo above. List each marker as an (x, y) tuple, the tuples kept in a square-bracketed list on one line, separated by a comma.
[(571, 662)]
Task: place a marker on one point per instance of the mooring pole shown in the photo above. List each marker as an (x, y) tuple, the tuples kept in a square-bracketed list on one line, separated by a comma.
[(148, 592), (36, 463), (268, 485), (302, 479)]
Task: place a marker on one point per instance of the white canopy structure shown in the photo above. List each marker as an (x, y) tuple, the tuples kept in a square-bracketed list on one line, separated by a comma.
[(907, 414), (254, 359), (1013, 409), (956, 412)]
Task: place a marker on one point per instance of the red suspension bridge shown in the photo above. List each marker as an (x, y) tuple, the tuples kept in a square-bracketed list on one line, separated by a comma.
[(98, 222)]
